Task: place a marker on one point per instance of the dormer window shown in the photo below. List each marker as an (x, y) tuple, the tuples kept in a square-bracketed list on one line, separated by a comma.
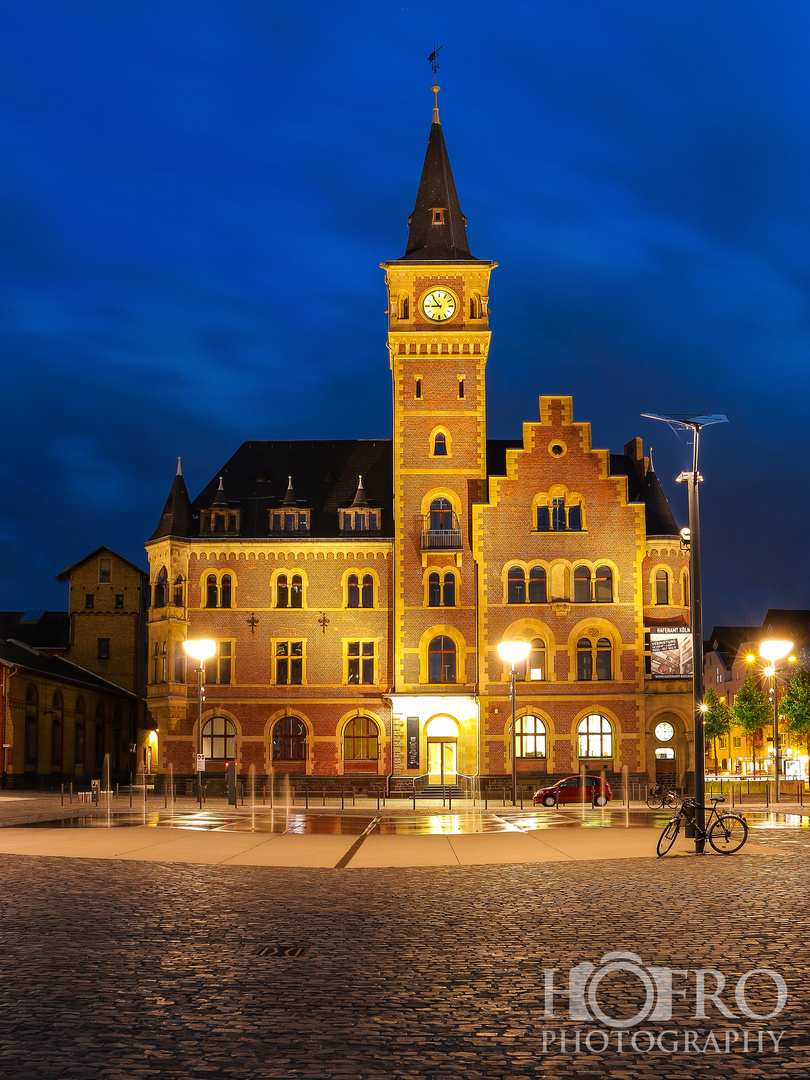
[(220, 522), (438, 216), (361, 521), (289, 521)]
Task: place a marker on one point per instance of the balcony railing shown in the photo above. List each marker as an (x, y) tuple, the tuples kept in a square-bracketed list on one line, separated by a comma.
[(441, 539)]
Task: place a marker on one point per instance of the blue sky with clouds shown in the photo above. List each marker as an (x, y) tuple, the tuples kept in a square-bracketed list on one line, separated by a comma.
[(195, 199)]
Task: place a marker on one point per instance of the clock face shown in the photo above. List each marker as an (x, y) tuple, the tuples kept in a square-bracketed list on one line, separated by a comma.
[(439, 305)]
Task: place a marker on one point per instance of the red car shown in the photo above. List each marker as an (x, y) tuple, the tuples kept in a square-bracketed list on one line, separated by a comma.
[(597, 791)]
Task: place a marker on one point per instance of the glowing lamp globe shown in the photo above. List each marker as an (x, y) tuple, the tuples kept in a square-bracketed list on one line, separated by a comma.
[(202, 649), (512, 652)]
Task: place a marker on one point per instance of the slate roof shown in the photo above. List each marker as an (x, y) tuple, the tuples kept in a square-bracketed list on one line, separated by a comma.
[(94, 555), (51, 630), (793, 624), (325, 475), (428, 241), (726, 641), (17, 654)]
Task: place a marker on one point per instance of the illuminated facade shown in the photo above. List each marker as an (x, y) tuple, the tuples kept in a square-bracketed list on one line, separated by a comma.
[(357, 619)]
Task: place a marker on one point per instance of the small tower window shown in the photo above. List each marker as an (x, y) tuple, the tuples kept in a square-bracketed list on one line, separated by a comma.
[(461, 388), (418, 390), (440, 445), (438, 217)]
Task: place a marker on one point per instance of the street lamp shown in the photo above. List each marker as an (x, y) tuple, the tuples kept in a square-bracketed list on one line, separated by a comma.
[(693, 478), (512, 652), (200, 650), (772, 649)]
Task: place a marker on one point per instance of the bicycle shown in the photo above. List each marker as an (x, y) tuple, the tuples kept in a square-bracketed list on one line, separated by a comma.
[(725, 832), (656, 800)]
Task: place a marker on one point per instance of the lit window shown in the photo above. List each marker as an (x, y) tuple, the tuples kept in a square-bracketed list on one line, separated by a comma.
[(360, 740), (530, 734), (219, 739), (595, 737), (534, 666)]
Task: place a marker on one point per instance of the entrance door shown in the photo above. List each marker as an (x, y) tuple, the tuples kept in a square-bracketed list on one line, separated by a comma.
[(441, 761)]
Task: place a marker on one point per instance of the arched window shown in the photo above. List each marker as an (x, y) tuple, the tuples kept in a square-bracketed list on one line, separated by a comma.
[(584, 660), (603, 585), (179, 592), (533, 667), (560, 582), (537, 585), (442, 660), (661, 587), (282, 591), (78, 748), (575, 517), (57, 709), (160, 588), (685, 588), (440, 445), (582, 585), (360, 740), (31, 727), (219, 739), (595, 737), (352, 591), (530, 734), (367, 593), (225, 591), (211, 590), (434, 590), (441, 515), (516, 585), (297, 591), (289, 739), (449, 590), (592, 658)]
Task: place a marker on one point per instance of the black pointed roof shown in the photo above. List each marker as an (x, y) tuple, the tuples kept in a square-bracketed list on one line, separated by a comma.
[(427, 240), (176, 517), (660, 519)]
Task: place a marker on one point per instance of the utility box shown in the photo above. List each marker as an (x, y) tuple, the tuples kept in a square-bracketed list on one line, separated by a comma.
[(95, 790)]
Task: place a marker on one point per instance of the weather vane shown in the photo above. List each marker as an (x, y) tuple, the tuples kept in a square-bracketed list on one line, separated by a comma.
[(433, 59)]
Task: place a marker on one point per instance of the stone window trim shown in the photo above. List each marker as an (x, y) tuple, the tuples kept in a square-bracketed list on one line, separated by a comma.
[(217, 588)]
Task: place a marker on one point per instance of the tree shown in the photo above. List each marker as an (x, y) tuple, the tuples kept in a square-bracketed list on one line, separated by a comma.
[(751, 711), (716, 720), (795, 705)]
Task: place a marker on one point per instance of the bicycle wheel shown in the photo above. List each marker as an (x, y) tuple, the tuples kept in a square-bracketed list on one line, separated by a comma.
[(728, 834), (654, 802), (673, 800), (668, 836)]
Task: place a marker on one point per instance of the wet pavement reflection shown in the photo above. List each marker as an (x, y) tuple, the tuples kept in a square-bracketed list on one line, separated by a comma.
[(396, 823)]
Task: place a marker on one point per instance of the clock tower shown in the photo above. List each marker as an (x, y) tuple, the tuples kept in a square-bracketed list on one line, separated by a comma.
[(438, 340)]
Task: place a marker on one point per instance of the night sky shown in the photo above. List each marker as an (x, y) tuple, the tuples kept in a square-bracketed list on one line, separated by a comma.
[(195, 198)]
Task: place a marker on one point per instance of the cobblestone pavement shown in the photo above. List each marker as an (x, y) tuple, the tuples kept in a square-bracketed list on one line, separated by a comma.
[(126, 970)]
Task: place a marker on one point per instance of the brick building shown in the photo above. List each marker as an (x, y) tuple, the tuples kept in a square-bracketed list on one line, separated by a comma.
[(72, 683), (357, 590)]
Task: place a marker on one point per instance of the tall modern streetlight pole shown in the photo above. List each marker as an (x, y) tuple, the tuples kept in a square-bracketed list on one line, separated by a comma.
[(512, 652), (693, 478), (201, 650)]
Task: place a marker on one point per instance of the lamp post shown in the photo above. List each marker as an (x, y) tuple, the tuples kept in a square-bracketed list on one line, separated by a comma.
[(693, 478), (512, 652), (773, 650), (200, 650)]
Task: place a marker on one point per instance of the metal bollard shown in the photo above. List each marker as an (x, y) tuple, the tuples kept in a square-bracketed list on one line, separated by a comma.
[(324, 795), (341, 797), (414, 797), (449, 799)]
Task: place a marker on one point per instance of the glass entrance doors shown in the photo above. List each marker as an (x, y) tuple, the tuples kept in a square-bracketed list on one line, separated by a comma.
[(441, 761)]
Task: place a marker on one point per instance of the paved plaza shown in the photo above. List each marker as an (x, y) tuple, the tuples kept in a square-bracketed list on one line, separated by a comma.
[(136, 966)]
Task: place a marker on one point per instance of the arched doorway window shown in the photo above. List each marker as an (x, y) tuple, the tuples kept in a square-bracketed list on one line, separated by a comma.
[(442, 747), (219, 739), (360, 739), (289, 739), (441, 515)]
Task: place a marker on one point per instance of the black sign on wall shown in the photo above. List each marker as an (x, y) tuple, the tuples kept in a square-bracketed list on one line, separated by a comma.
[(413, 742)]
